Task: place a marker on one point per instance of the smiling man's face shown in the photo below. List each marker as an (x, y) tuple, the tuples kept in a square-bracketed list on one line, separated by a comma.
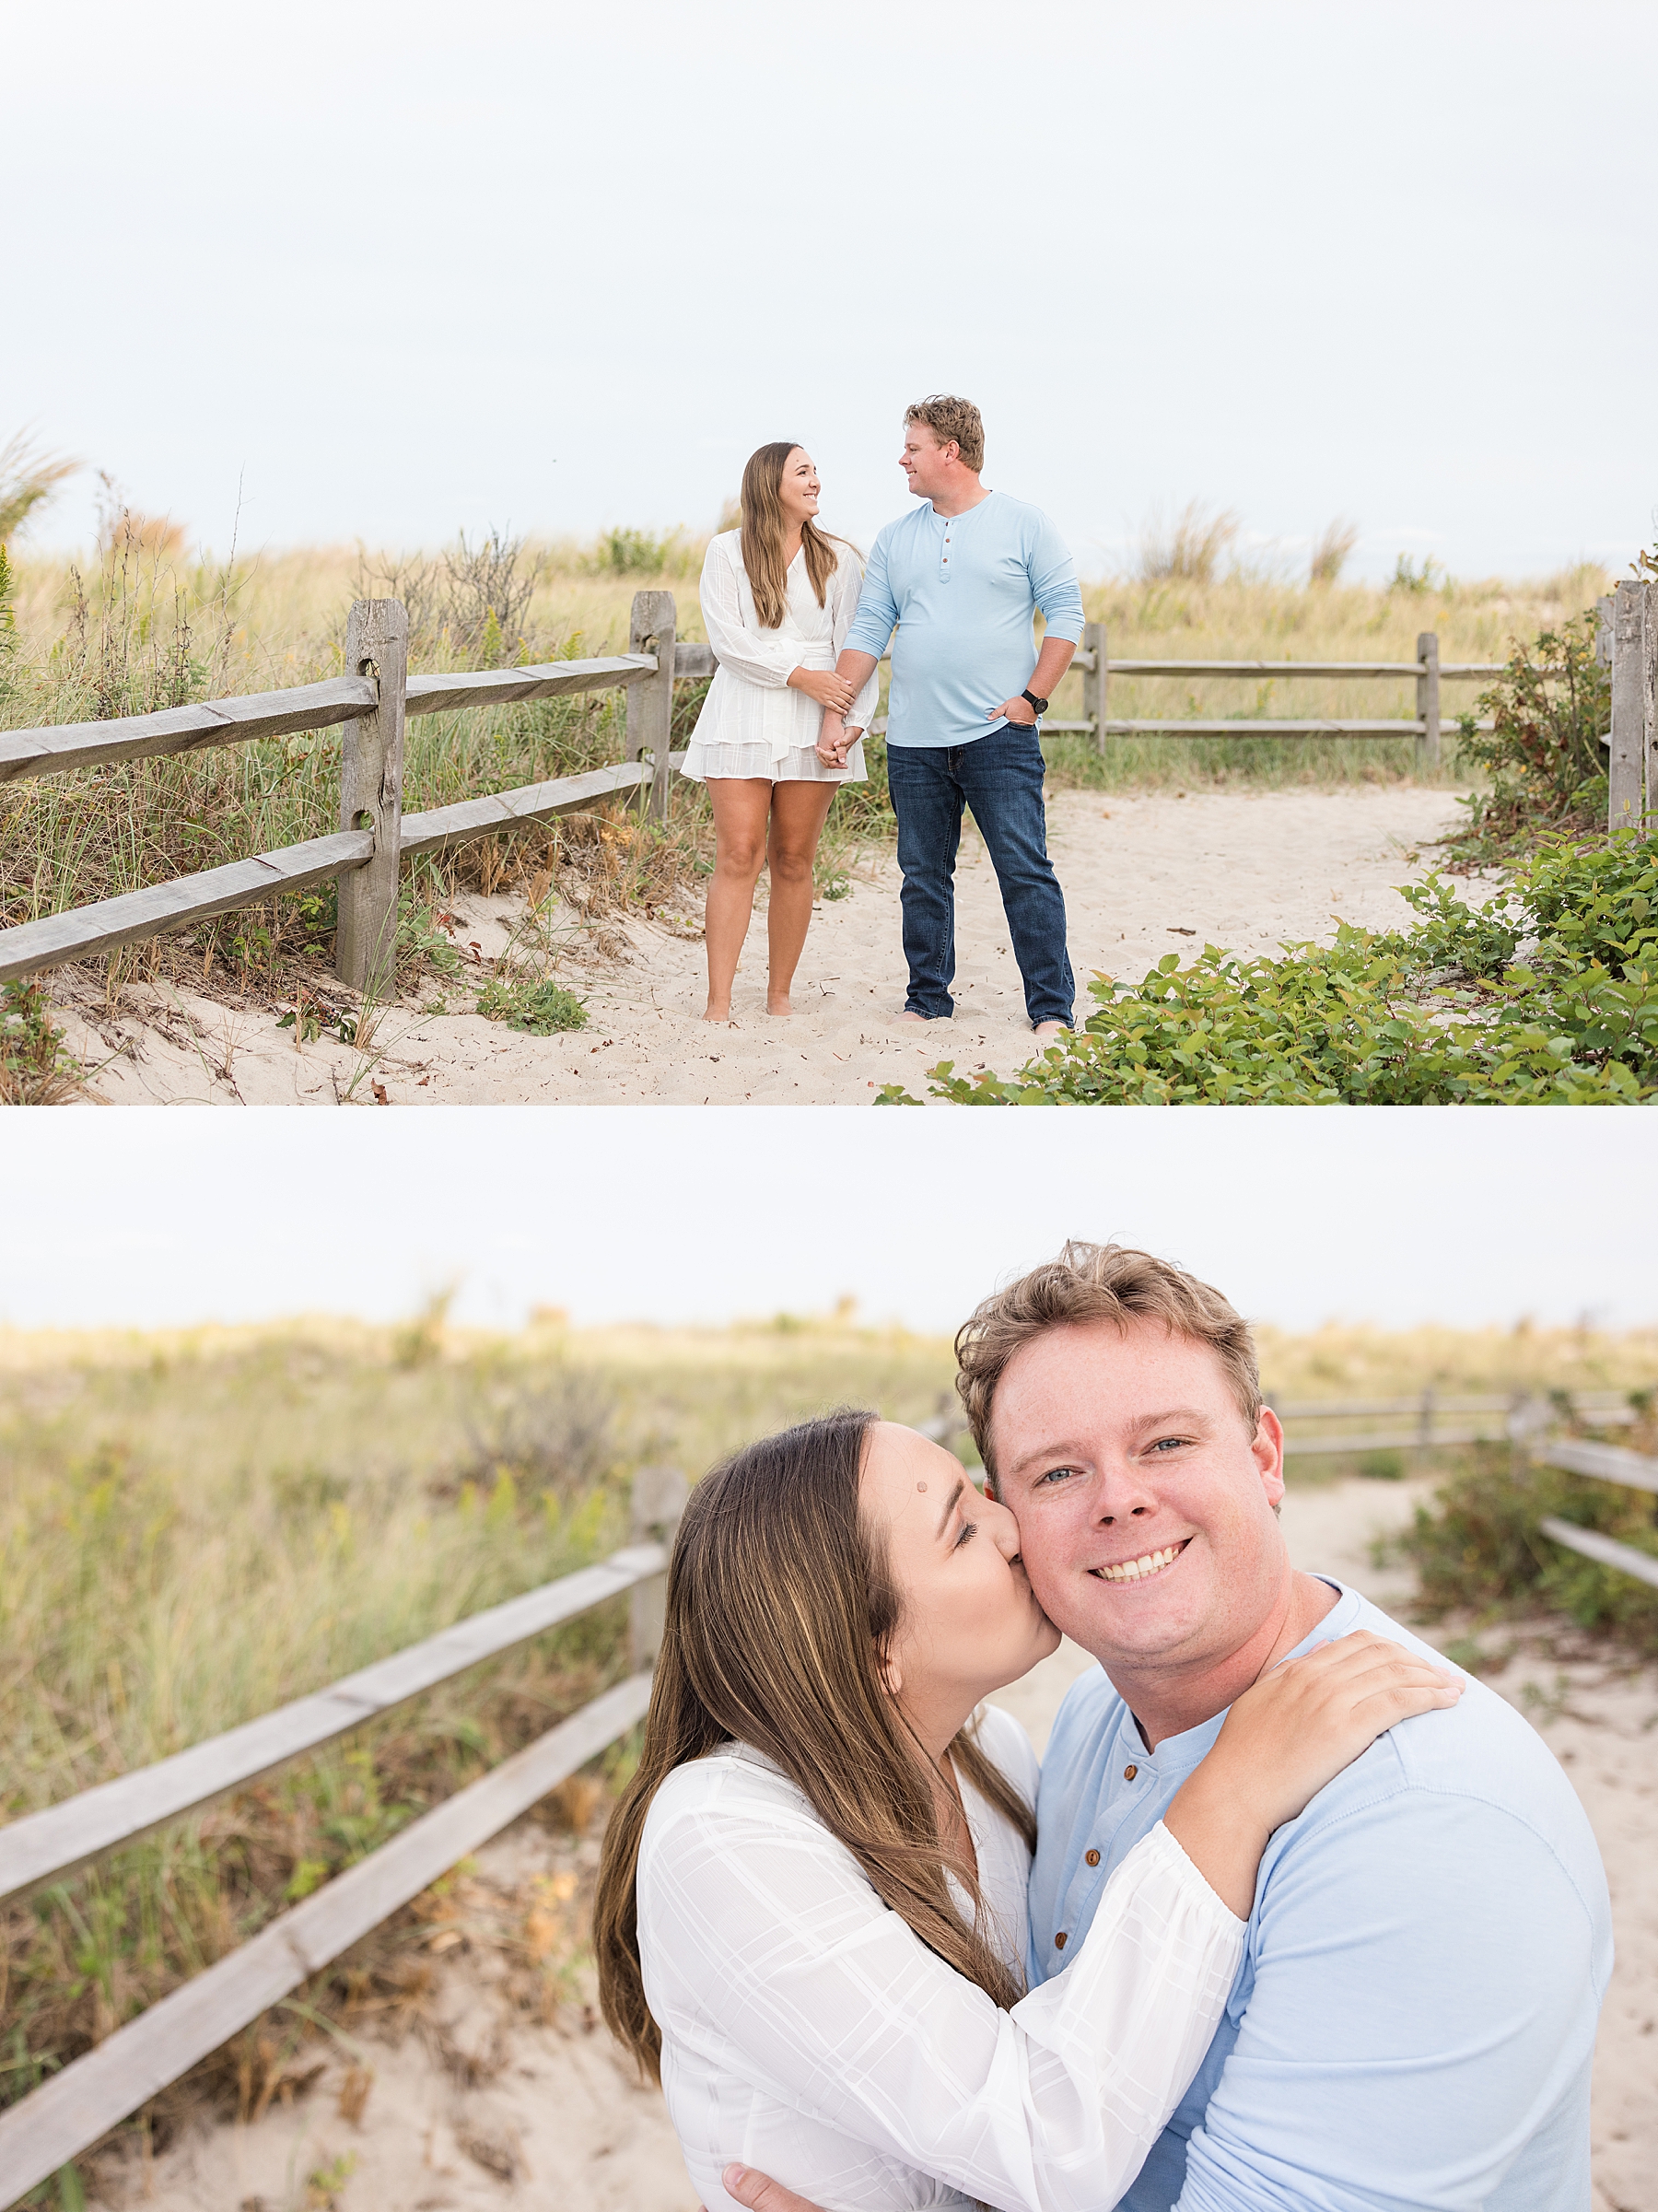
[(1144, 1501)]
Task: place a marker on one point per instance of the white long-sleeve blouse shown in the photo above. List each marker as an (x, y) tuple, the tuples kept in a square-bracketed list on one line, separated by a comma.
[(750, 703), (808, 2032)]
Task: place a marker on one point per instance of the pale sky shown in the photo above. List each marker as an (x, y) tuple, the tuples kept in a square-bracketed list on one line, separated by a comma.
[(148, 1217), (379, 271)]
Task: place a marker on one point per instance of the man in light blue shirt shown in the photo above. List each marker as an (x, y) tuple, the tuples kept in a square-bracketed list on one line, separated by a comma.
[(962, 579), (1414, 2020), (1413, 2024)]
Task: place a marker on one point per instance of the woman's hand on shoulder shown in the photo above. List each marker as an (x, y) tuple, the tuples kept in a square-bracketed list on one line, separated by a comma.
[(1293, 1732), (1283, 1740)]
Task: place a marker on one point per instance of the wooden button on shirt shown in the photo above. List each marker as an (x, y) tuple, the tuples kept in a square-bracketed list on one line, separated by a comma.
[(1093, 1857), (1129, 1772)]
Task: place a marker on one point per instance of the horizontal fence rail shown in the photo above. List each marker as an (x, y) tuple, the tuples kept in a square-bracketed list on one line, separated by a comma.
[(1491, 1417), (1606, 1550), (48, 1846), (1535, 1441), (55, 2123), (71, 2111), (1426, 670)]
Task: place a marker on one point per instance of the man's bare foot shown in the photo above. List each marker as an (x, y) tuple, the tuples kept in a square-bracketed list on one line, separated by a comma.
[(1048, 1031), (907, 1016)]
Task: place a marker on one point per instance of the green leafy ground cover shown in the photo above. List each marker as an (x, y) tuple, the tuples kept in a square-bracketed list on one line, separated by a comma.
[(1546, 994)]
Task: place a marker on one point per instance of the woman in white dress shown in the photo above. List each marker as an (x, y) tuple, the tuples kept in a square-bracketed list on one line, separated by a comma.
[(778, 596), (811, 1916)]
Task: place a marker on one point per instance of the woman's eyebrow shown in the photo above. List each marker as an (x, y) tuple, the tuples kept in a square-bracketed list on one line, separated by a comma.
[(950, 1504)]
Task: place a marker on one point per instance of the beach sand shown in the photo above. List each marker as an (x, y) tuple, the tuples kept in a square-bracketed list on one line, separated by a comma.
[(1144, 875), (476, 2108)]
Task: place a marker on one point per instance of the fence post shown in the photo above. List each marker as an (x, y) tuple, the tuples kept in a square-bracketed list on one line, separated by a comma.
[(658, 1500), (1626, 759), (1428, 704), (1425, 1421), (1527, 1422), (1094, 680), (650, 699), (371, 772)]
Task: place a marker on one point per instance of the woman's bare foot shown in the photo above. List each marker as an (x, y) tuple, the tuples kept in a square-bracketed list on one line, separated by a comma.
[(717, 1013), (777, 1003)]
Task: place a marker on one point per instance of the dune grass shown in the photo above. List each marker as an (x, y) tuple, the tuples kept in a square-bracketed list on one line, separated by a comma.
[(196, 1526)]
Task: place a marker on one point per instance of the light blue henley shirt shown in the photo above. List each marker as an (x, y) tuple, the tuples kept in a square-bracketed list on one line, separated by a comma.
[(1413, 2023), (964, 592)]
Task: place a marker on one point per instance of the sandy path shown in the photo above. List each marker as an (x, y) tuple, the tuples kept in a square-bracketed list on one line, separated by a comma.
[(561, 2109), (1144, 875)]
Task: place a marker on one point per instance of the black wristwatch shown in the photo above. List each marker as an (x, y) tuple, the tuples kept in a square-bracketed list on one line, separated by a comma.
[(1040, 705)]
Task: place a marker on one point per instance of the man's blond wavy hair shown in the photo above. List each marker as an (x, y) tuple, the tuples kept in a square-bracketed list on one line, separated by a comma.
[(948, 416), (1099, 1283)]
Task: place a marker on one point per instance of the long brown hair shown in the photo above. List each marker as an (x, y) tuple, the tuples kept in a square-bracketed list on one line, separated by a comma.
[(762, 534), (779, 1606)]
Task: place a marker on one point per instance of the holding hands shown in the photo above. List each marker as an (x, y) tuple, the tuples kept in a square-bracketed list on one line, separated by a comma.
[(835, 741)]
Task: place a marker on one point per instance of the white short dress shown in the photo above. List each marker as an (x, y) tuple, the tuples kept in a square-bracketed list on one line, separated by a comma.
[(752, 723), (808, 2032)]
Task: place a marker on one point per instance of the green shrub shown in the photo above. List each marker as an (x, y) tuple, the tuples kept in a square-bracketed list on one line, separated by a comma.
[(543, 1009), (635, 551), (1382, 1467), (1455, 1011), (1546, 765), (35, 1067), (1481, 1548)]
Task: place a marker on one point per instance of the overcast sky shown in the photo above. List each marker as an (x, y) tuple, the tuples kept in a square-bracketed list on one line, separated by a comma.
[(1396, 1215), (378, 270)]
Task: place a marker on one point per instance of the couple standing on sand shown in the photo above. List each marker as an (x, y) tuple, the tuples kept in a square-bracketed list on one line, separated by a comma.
[(798, 631)]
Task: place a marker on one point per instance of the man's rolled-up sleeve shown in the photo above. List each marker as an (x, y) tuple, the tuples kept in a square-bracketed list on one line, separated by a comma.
[(1054, 584), (1425, 1997)]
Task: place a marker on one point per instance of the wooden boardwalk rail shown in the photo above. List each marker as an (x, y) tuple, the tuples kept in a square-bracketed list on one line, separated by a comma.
[(371, 702), (50, 2126)]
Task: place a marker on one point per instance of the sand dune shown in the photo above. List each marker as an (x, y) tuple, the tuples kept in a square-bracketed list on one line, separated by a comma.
[(1144, 875)]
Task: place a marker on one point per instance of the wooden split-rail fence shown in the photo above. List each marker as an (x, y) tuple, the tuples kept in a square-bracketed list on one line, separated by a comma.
[(371, 704), (55, 2123), (1529, 1426), (50, 2127)]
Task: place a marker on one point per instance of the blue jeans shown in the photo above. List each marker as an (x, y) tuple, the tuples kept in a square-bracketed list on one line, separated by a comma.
[(999, 777)]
